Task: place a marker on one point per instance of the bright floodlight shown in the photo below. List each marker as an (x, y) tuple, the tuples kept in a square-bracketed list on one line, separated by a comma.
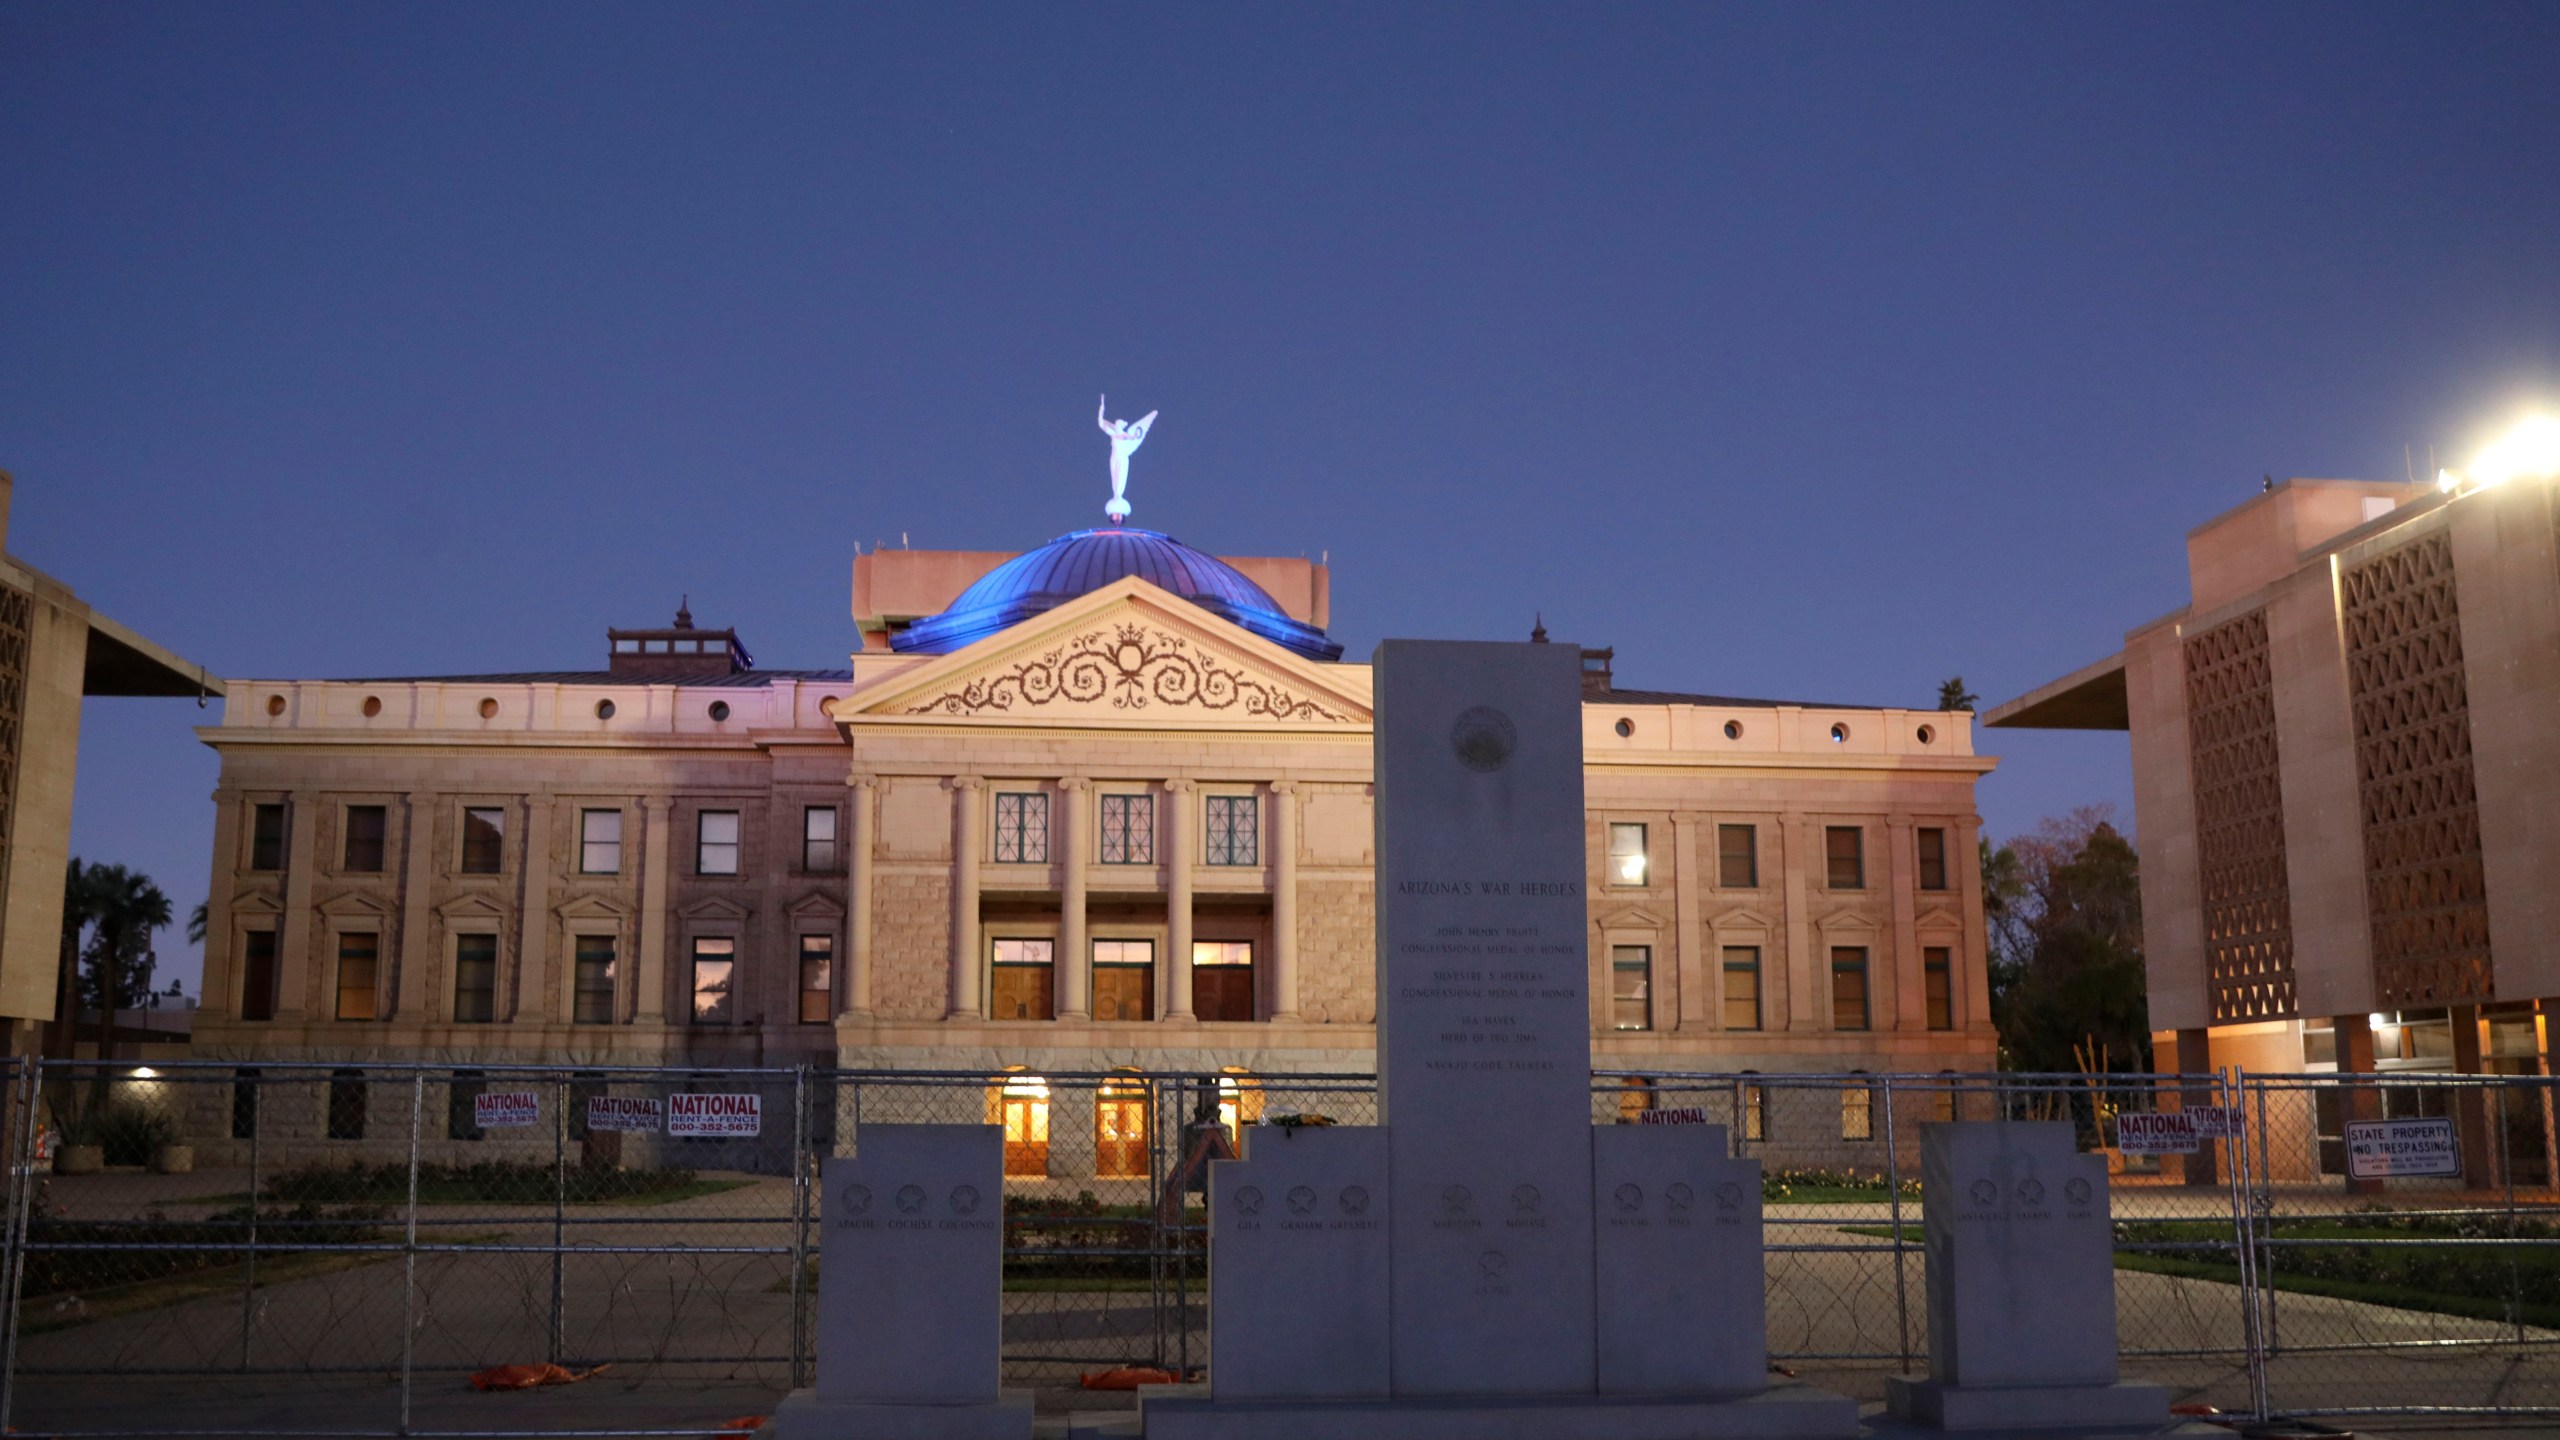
[(2529, 451)]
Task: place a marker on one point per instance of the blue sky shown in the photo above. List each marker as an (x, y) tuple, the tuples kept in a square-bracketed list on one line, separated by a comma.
[(1810, 350)]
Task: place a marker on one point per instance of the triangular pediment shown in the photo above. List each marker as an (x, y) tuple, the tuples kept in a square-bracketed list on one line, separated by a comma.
[(1940, 918), (714, 907), (816, 905), (1742, 917), (1847, 920), (473, 906), (256, 902), (356, 904), (1633, 917), (1128, 655), (592, 907)]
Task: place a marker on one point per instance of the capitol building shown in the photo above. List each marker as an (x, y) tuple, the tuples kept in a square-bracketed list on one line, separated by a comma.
[(1103, 804)]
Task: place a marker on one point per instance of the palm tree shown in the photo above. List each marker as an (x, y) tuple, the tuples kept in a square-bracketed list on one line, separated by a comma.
[(1953, 696), (130, 908), (80, 901)]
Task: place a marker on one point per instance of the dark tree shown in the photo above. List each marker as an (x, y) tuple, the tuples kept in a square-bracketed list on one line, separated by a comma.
[(2066, 970), (1953, 696), (119, 954)]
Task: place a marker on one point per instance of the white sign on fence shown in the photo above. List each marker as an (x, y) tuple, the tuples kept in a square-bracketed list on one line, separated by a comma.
[(722, 1115), (1677, 1115), (506, 1109), (2377, 1149), (2171, 1132), (2215, 1122), (625, 1112)]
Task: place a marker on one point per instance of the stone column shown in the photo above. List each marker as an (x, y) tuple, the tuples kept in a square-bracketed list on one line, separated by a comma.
[(417, 909), (1075, 958), (1179, 797), (1970, 985), (1284, 900), (968, 828), (533, 935), (862, 797), (2355, 1057), (1904, 1005), (1807, 972), (2476, 1110), (220, 988), (649, 969), (1695, 978), (294, 965)]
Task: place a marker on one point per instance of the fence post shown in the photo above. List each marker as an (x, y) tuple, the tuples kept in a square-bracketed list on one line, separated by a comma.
[(26, 1087), (800, 1163), (560, 1095), (409, 1249), (1893, 1190), (2507, 1164), (2252, 1333), (249, 1270)]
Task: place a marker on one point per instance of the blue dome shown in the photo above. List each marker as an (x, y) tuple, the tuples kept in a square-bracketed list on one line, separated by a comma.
[(1087, 560)]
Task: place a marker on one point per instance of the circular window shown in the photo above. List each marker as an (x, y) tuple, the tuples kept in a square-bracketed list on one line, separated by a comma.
[(719, 709), (275, 704), (372, 706), (1733, 729), (1927, 734), (604, 709), (1626, 728), (488, 709), (1839, 734)]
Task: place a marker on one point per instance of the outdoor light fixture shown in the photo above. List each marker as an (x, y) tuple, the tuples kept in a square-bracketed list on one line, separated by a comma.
[(145, 1072), (2531, 451)]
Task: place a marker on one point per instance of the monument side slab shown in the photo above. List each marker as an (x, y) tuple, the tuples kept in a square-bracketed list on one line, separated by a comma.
[(1681, 1278), (1299, 1231), (2021, 1255), (1484, 1022), (911, 1266)]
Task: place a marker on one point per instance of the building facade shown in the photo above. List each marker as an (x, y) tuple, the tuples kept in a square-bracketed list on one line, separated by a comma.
[(2343, 781), (1106, 804)]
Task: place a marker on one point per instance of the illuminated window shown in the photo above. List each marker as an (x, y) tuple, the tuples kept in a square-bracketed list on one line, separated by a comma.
[(1933, 859), (1128, 829), (1755, 1111), (484, 840), (357, 962), (1631, 987), (1848, 987), (475, 978), (818, 838), (266, 837), (715, 978), (594, 980), (1635, 1096), (1738, 857), (817, 979), (1024, 985), (1937, 974), (258, 975), (1858, 1111), (1239, 1104), (1742, 987), (1024, 1113), (599, 842), (365, 827), (716, 843), (1234, 830), (1022, 828), (1124, 979), (1120, 1131), (1222, 979), (1626, 855), (1844, 850)]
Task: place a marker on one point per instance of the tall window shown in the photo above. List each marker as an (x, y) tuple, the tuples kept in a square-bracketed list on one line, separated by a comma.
[(1844, 851), (1627, 859), (1124, 979), (266, 837), (346, 1104), (1933, 858), (818, 838), (715, 978), (1023, 1110), (357, 962), (1848, 987), (365, 826), (1120, 1131), (1222, 979), (1742, 987), (258, 975), (484, 840), (599, 842), (1937, 976), (1024, 986), (1631, 987), (1738, 857), (244, 1103), (1128, 829), (462, 1107), (475, 978), (715, 850), (1635, 1096), (1235, 830), (1755, 1111), (594, 980), (1858, 1111), (817, 978), (1022, 828)]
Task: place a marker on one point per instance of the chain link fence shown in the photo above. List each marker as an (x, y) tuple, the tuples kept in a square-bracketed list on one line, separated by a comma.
[(316, 1249)]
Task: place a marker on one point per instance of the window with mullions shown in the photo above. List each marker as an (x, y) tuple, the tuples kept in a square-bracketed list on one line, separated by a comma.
[(1844, 853), (365, 827), (715, 979), (1222, 979), (1631, 987), (1755, 1111), (716, 843), (1128, 829), (1124, 979), (599, 842), (1022, 828), (1933, 858), (1234, 830), (1024, 982), (356, 967), (818, 838), (1627, 859), (1738, 857), (594, 956), (1848, 987), (266, 837), (484, 839), (475, 979), (258, 975), (1937, 976), (817, 979), (1742, 987)]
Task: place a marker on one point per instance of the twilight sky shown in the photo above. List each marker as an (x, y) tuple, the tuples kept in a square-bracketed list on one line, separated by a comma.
[(1814, 351)]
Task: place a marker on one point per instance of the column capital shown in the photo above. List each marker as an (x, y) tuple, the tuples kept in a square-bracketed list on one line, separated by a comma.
[(862, 782), (657, 804), (1284, 787), (963, 784), (1074, 785), (1180, 786)]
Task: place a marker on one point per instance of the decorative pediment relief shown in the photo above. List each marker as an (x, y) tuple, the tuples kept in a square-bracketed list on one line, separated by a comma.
[(256, 902), (1632, 917), (592, 907), (714, 907), (1742, 917), (1847, 920), (356, 904), (474, 906), (1940, 919), (817, 905), (1128, 666)]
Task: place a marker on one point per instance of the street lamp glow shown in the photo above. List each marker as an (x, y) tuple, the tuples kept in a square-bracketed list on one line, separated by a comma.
[(2531, 451)]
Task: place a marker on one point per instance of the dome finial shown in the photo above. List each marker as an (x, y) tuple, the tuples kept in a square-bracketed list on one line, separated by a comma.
[(1126, 437), (1538, 631)]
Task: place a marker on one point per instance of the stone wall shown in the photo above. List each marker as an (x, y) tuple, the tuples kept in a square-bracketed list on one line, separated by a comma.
[(911, 946), (1337, 951)]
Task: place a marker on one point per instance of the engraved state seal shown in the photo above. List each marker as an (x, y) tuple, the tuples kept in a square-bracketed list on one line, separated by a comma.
[(1249, 1200), (1483, 738), (857, 1199)]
